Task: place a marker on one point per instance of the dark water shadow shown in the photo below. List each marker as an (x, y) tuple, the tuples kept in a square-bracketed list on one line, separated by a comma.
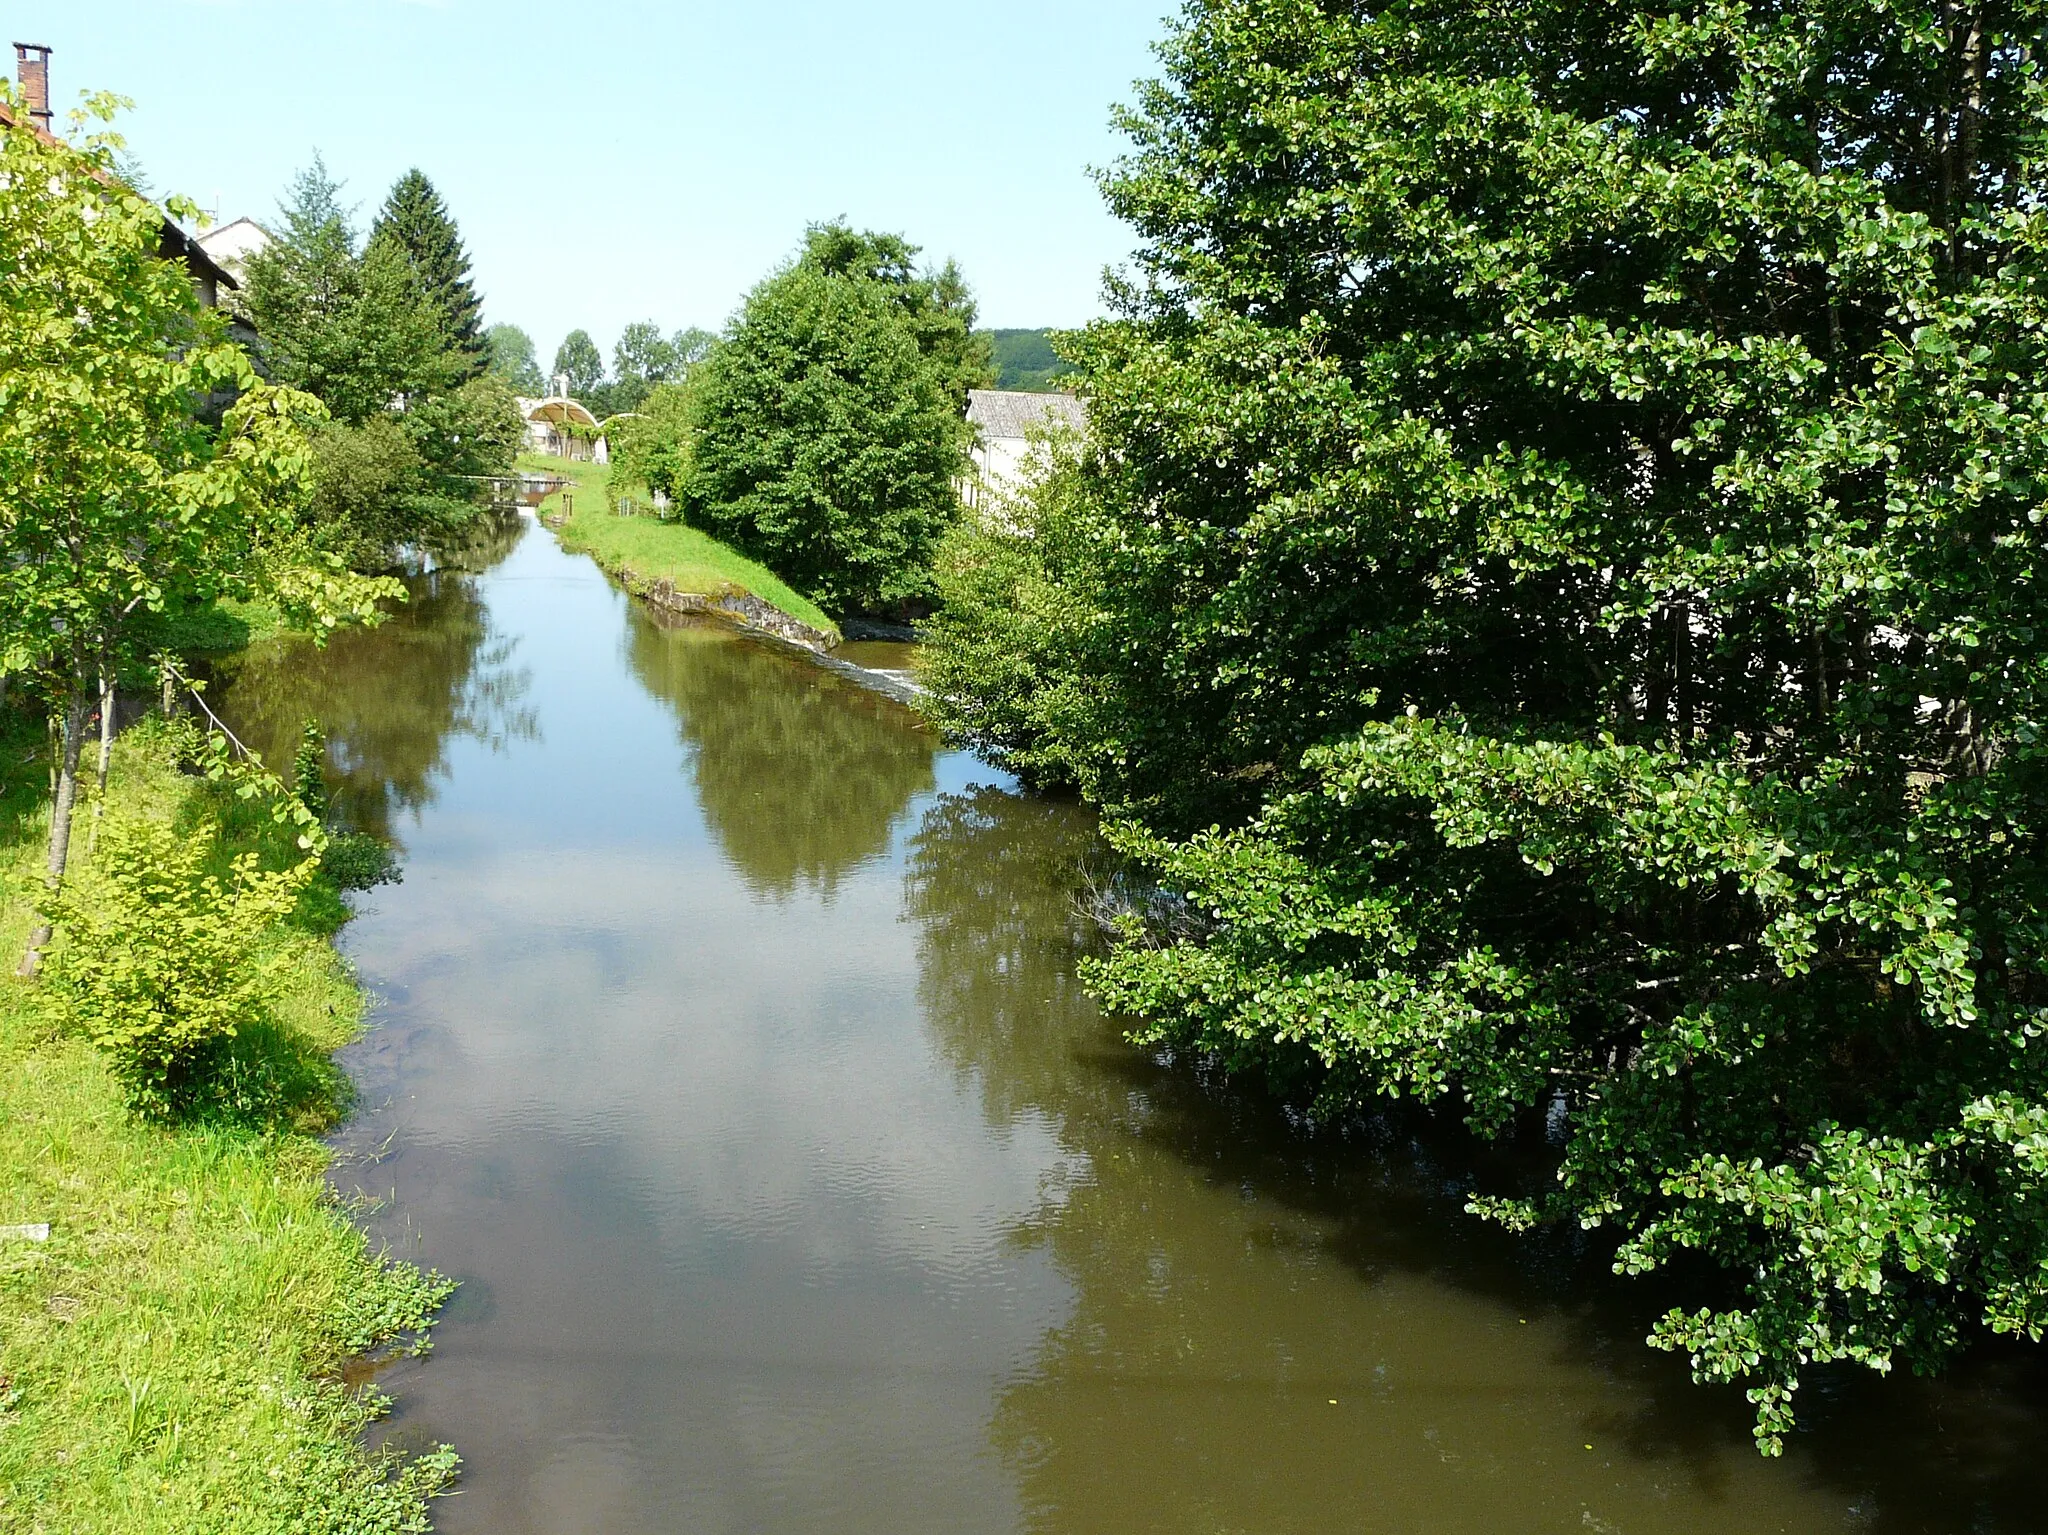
[(1217, 1220), (392, 698), (801, 773)]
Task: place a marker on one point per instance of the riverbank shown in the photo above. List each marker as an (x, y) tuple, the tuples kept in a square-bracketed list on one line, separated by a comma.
[(176, 1342), (674, 565)]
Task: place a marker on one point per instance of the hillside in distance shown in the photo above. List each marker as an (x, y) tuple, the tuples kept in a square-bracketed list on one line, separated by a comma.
[(1025, 359)]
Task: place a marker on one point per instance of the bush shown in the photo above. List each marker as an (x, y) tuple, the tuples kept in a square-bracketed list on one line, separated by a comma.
[(826, 443), (163, 960)]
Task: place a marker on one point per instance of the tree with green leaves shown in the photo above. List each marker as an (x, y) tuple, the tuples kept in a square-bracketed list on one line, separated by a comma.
[(416, 431), (935, 303), (1564, 511), (826, 440), (349, 327), (578, 360), (512, 359), (118, 503), (642, 358), (417, 223)]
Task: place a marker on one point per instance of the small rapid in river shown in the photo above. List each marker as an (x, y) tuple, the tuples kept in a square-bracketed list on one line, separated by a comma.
[(730, 1053)]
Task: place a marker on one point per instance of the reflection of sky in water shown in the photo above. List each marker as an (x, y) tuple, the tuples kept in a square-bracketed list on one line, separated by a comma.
[(733, 1058)]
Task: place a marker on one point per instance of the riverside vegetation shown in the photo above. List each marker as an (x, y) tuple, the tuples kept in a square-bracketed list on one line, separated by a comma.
[(176, 1338), (1552, 592), (175, 1348)]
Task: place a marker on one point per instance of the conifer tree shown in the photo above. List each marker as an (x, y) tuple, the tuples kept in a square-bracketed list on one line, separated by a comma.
[(415, 218)]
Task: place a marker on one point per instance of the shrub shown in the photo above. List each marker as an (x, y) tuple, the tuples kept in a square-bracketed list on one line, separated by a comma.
[(164, 959)]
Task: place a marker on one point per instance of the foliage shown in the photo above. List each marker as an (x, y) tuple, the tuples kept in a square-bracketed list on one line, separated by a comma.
[(1001, 659), (121, 502), (935, 304), (418, 225), (1566, 500), (378, 335), (826, 441), (350, 327), (1025, 359), (652, 447), (161, 959), (692, 345), (579, 360), (512, 359), (174, 1350), (642, 358)]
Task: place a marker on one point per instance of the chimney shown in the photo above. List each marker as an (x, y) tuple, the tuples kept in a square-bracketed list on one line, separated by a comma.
[(32, 74)]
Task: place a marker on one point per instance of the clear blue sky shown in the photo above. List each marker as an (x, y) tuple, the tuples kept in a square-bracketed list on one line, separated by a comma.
[(614, 160)]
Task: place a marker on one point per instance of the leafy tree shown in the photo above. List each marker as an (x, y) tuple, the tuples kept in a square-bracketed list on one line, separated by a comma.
[(579, 359), (652, 447), (118, 504), (351, 329), (164, 960), (936, 305), (1566, 499), (692, 345), (417, 223), (826, 442), (512, 359), (416, 430), (642, 358)]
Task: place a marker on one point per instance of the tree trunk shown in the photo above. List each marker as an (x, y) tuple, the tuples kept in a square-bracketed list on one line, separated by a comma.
[(99, 801), (76, 709)]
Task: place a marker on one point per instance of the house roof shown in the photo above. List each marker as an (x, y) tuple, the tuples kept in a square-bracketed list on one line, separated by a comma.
[(232, 243), (1014, 412), (555, 408), (175, 245)]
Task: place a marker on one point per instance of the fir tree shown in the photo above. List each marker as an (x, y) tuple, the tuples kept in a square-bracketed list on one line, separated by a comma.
[(415, 218)]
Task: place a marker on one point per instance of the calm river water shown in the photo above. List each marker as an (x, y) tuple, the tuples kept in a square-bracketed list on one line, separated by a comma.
[(730, 1053)]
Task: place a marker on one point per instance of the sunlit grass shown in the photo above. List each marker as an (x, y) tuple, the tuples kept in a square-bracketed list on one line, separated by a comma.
[(171, 1352), (689, 559)]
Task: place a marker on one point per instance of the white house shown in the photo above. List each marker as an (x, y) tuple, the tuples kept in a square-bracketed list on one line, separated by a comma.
[(231, 245), (1005, 421)]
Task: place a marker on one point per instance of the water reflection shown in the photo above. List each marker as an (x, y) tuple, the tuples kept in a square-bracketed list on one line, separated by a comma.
[(391, 698), (795, 1184), (1278, 1329), (800, 773)]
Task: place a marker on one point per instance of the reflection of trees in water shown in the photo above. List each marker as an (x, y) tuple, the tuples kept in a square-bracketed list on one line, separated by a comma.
[(389, 698), (801, 773), (1233, 1270)]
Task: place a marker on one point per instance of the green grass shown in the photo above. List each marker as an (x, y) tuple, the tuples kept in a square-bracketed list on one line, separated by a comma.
[(689, 559), (173, 1353)]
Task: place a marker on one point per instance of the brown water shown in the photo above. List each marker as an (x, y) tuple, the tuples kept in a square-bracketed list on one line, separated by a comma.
[(731, 1055)]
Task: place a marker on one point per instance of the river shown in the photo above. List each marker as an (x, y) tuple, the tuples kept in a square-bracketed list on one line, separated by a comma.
[(729, 1051)]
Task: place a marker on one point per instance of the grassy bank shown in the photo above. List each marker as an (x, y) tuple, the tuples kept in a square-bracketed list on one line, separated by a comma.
[(652, 550), (172, 1352)]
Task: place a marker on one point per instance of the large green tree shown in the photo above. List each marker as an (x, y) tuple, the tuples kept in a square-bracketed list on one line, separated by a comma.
[(578, 360), (417, 430), (349, 326), (826, 438), (416, 222), (120, 500), (936, 303), (1566, 499)]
